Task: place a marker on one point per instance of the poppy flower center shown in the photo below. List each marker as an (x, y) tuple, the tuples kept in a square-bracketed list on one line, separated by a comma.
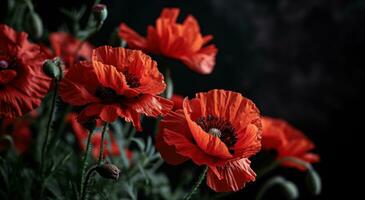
[(107, 95), (132, 80), (81, 58), (220, 128)]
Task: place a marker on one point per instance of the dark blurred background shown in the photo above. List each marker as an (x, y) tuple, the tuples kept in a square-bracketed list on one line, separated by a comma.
[(298, 60)]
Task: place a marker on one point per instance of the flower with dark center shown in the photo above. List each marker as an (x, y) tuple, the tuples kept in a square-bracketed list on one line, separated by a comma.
[(22, 81), (220, 129), (117, 82)]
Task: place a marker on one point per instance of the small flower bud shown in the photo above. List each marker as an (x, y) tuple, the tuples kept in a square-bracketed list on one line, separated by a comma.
[(313, 181), (100, 13), (108, 171), (34, 25), (51, 69)]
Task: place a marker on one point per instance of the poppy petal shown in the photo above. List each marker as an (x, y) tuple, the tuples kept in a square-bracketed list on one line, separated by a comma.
[(109, 77), (208, 143), (151, 105), (135, 41), (6, 76), (235, 174)]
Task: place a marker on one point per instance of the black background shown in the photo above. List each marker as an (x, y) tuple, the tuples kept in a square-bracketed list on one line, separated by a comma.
[(302, 61)]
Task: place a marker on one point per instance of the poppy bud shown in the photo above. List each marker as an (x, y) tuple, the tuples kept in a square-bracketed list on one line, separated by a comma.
[(100, 13), (108, 171), (51, 69), (313, 181), (34, 25)]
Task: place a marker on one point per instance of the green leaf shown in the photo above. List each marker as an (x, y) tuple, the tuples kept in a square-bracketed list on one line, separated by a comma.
[(139, 143)]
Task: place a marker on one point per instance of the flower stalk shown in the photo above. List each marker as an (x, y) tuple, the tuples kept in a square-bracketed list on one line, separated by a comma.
[(48, 128), (85, 182), (197, 184), (84, 160), (100, 160)]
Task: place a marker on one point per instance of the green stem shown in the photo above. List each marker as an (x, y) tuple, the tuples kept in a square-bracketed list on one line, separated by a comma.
[(85, 183), (102, 144), (169, 84), (48, 128), (84, 160), (197, 184), (46, 139), (277, 163)]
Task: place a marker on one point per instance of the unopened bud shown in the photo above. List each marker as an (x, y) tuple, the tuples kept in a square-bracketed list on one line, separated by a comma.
[(51, 69), (314, 182), (108, 171), (100, 13)]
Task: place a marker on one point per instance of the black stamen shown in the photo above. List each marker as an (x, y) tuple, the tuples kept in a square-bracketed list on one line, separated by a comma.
[(132, 80), (220, 128)]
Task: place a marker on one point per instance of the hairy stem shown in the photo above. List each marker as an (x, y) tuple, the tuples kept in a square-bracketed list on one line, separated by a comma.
[(102, 144), (85, 183), (197, 184), (48, 128), (84, 160)]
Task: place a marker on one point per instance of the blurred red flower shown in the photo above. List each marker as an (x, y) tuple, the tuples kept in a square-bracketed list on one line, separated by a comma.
[(19, 131), (175, 40), (22, 81), (70, 49), (287, 141), (117, 83), (81, 135), (220, 129)]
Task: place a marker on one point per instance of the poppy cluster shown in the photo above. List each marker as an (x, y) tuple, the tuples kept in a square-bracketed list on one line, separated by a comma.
[(218, 129)]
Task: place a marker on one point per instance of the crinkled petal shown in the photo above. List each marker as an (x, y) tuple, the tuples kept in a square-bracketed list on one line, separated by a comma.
[(208, 143), (235, 175)]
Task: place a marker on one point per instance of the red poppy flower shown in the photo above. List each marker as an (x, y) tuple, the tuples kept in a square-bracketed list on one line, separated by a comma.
[(287, 141), (19, 131), (22, 81), (70, 49), (220, 129), (117, 83), (175, 40), (178, 101)]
